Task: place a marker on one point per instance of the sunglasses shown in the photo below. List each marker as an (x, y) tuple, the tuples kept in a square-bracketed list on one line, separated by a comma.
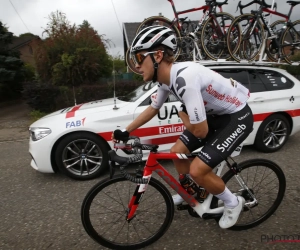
[(139, 57)]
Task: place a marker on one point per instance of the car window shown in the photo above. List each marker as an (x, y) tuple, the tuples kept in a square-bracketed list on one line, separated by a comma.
[(256, 83), (274, 80), (137, 93), (247, 77), (240, 75)]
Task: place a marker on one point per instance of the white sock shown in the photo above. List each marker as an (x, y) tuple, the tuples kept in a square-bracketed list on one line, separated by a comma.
[(229, 199)]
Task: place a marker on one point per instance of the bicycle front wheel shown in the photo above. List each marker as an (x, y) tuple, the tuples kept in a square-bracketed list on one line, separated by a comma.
[(266, 181), (272, 45), (214, 33), (291, 43), (245, 38), (105, 208)]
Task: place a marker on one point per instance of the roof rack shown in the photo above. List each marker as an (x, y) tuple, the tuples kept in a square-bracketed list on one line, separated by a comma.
[(244, 62)]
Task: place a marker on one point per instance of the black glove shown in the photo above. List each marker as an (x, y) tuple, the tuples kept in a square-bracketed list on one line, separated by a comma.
[(183, 108), (121, 135)]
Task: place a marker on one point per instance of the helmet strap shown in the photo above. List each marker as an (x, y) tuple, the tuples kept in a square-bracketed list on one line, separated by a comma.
[(155, 66)]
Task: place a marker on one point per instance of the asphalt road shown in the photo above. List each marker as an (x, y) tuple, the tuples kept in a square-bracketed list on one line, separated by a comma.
[(40, 211)]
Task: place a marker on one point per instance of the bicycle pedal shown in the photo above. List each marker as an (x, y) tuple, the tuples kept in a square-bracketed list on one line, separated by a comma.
[(183, 207)]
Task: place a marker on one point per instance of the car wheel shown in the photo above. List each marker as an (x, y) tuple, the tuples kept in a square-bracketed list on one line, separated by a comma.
[(82, 156), (272, 134)]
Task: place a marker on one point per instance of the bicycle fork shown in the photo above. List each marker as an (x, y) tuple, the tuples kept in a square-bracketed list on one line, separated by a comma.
[(136, 198)]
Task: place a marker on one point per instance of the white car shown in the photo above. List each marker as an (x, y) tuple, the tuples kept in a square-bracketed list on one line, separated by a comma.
[(76, 140)]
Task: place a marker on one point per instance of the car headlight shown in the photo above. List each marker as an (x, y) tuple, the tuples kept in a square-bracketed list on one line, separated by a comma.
[(39, 133)]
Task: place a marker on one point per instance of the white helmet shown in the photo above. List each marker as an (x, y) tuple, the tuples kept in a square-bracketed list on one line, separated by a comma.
[(153, 36)]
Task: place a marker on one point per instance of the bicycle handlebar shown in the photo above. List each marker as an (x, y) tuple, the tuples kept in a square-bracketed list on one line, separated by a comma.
[(135, 149), (261, 2)]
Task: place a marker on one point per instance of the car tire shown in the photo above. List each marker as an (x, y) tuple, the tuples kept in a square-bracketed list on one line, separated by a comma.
[(272, 134), (82, 156)]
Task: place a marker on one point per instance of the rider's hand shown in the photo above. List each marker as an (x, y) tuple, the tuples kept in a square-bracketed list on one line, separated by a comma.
[(120, 135), (183, 108)]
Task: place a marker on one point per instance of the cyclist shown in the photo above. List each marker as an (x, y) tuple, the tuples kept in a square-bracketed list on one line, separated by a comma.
[(214, 112)]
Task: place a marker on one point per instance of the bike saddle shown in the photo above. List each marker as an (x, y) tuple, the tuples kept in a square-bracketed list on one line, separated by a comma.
[(293, 3)]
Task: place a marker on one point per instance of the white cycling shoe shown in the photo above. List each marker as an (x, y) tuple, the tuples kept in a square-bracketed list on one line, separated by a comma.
[(177, 199), (231, 215)]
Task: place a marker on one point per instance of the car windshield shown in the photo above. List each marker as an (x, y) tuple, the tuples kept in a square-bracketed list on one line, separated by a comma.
[(137, 93)]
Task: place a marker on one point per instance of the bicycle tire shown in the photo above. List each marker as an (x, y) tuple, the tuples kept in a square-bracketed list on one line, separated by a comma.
[(215, 47), (117, 192), (293, 54), (130, 63), (234, 187), (159, 20), (272, 50), (239, 50)]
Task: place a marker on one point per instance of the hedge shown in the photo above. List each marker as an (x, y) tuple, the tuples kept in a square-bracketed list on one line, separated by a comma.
[(48, 98)]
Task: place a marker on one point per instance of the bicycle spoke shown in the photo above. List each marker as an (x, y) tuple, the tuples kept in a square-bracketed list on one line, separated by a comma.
[(266, 182)]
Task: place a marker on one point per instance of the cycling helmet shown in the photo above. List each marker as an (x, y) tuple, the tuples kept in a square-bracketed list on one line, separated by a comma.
[(153, 36)]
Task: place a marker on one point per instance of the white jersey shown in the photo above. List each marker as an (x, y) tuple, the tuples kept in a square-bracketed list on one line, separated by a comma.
[(203, 91)]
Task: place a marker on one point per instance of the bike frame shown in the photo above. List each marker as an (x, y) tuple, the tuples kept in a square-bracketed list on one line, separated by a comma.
[(271, 34), (178, 13), (207, 12), (152, 165)]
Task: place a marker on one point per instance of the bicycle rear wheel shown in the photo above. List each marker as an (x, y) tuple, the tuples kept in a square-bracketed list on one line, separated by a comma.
[(291, 43), (245, 38), (159, 20), (272, 48), (105, 208), (266, 181), (213, 37)]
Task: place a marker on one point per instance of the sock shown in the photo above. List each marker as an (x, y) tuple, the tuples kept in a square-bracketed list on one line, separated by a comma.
[(229, 199)]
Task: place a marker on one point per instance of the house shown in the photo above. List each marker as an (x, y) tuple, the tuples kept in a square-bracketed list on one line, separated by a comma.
[(25, 45)]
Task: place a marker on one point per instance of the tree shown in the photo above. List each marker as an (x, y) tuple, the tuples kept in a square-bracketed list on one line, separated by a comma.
[(71, 55), (28, 34), (11, 67), (119, 64)]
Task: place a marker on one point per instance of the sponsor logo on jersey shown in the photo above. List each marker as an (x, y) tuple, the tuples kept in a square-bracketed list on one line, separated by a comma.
[(196, 114), (243, 117), (206, 155), (184, 137), (231, 138), (222, 97)]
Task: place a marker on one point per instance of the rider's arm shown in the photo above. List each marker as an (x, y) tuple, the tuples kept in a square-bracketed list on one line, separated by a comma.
[(152, 110)]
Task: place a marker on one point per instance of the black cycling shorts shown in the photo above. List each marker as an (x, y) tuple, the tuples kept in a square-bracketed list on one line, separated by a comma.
[(225, 134)]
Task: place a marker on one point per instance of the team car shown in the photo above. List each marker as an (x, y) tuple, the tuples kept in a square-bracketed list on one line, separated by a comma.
[(76, 140)]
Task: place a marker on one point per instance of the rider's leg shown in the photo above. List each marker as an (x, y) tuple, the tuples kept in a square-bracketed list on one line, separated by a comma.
[(203, 175), (182, 166), (233, 205)]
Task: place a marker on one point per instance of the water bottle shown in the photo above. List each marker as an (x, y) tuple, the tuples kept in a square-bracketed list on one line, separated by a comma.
[(187, 183), (191, 186)]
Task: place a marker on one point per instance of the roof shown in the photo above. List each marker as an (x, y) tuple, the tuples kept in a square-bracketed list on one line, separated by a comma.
[(21, 41), (129, 31)]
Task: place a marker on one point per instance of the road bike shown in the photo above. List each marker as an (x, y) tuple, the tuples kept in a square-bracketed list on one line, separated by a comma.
[(133, 210), (209, 34), (247, 39)]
